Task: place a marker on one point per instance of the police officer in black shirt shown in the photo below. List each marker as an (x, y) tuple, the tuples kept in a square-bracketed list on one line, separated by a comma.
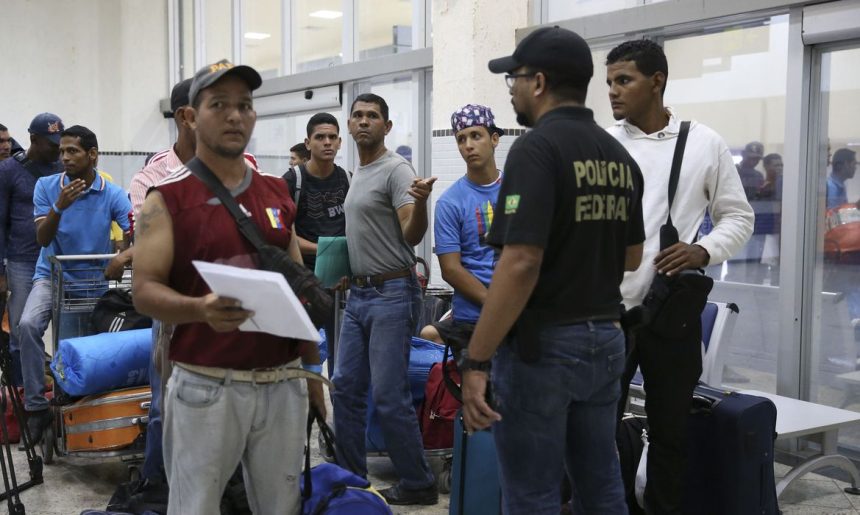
[(569, 223)]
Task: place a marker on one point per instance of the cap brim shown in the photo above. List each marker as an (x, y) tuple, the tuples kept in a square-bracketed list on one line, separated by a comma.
[(503, 64), (248, 74), (53, 138)]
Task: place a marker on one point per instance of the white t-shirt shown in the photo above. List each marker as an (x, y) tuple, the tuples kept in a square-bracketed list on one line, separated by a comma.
[(708, 180)]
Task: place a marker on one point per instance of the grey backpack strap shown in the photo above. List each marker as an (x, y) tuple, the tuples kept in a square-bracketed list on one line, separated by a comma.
[(298, 192)]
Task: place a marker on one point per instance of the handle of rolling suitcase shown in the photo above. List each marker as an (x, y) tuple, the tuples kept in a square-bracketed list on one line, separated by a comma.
[(475, 488)]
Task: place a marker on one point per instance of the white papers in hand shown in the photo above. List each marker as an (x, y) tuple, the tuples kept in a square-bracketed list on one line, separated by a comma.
[(276, 308)]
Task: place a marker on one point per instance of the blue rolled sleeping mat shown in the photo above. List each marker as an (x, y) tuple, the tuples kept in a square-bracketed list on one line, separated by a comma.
[(422, 356), (103, 362)]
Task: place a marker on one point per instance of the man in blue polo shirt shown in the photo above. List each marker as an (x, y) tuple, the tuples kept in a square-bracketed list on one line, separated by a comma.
[(73, 212)]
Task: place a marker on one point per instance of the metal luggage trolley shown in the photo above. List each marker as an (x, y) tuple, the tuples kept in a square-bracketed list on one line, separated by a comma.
[(72, 303)]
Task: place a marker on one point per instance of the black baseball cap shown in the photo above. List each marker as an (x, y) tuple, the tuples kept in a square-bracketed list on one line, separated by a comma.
[(549, 48), (212, 73), (179, 95)]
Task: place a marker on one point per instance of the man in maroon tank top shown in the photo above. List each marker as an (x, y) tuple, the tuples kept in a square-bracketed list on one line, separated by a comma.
[(233, 396)]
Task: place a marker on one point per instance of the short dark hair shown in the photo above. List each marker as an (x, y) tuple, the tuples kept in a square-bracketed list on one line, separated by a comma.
[(301, 150), (842, 156), (648, 56), (321, 119), (768, 159), (371, 98), (565, 86), (3, 128), (87, 137)]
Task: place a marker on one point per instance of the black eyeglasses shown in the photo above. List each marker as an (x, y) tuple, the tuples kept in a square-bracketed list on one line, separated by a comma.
[(511, 77)]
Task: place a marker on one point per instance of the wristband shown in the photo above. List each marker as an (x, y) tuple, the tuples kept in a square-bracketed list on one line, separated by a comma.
[(55, 209), (317, 369)]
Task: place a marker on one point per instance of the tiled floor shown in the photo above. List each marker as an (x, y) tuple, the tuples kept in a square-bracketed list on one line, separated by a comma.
[(74, 484)]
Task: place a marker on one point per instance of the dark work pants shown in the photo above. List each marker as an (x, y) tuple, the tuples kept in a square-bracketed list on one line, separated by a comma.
[(670, 370)]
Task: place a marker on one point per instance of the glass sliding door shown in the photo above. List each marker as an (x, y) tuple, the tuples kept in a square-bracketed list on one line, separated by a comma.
[(734, 81), (274, 135), (834, 360)]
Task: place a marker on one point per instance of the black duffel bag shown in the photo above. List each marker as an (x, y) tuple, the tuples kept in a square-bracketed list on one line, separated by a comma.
[(318, 302), (114, 311), (675, 302)]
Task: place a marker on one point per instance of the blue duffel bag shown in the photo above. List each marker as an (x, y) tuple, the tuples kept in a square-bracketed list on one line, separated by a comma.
[(103, 362), (328, 489), (337, 491)]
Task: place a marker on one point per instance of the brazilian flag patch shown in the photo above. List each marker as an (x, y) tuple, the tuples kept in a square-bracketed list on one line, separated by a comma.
[(512, 202)]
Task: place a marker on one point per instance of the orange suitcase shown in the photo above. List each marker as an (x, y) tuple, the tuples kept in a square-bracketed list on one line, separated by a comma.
[(108, 421)]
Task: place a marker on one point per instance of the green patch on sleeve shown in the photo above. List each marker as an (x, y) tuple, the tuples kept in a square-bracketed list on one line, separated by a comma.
[(512, 202)]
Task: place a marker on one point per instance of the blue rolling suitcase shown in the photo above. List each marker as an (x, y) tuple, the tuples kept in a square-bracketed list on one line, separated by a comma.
[(475, 488), (730, 459)]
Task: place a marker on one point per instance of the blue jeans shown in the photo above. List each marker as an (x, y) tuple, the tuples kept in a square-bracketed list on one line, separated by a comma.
[(153, 459), (19, 279), (565, 401), (373, 350), (31, 329)]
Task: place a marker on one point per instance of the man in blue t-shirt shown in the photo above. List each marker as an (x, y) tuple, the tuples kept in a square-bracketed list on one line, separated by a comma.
[(844, 165), (463, 217), (73, 212)]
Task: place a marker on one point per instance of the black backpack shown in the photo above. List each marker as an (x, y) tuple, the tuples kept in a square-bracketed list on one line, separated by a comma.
[(628, 440), (115, 311)]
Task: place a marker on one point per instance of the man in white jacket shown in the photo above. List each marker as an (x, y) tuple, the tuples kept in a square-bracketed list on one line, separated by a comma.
[(636, 75)]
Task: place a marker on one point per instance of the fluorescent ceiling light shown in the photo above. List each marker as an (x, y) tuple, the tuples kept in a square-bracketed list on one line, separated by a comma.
[(326, 15), (257, 35)]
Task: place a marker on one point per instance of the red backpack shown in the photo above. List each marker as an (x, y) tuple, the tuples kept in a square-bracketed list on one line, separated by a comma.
[(439, 408)]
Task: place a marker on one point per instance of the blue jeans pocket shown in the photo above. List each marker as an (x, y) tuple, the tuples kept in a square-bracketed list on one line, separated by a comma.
[(538, 389), (196, 394), (615, 364)]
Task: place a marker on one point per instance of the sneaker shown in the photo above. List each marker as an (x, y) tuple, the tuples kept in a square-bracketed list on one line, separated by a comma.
[(37, 421), (398, 496)]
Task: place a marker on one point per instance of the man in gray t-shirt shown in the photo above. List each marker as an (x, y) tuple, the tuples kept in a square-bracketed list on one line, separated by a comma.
[(386, 216), (373, 232)]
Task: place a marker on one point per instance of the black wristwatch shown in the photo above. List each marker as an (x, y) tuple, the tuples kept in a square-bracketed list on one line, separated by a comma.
[(465, 363)]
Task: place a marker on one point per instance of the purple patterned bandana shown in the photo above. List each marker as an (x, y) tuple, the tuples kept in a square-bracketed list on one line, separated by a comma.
[(474, 115)]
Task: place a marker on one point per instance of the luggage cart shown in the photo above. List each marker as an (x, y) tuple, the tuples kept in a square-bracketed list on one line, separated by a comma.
[(72, 303)]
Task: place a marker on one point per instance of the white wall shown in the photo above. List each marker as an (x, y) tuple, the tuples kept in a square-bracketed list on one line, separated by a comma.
[(466, 35), (98, 63)]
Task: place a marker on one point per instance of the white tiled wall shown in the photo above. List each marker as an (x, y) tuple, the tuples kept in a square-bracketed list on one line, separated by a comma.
[(448, 166)]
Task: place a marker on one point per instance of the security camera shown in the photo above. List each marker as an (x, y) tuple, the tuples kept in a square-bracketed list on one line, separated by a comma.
[(309, 94)]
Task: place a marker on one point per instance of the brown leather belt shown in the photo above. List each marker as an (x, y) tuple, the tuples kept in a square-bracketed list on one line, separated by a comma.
[(363, 281)]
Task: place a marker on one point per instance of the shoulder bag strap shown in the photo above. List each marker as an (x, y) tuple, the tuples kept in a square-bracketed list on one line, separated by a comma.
[(246, 226), (677, 159), (298, 193)]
